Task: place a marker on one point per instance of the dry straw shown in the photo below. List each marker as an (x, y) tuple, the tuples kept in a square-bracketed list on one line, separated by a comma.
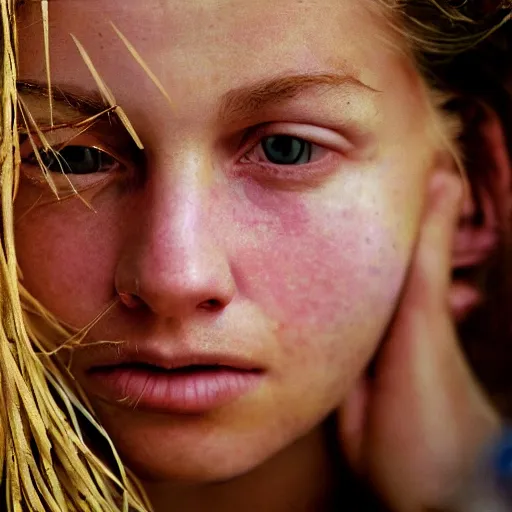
[(45, 465), (45, 462)]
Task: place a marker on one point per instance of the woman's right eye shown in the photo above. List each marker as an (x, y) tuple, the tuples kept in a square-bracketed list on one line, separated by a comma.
[(286, 150), (74, 160)]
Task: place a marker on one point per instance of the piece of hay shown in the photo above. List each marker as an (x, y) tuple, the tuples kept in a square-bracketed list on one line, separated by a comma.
[(44, 461)]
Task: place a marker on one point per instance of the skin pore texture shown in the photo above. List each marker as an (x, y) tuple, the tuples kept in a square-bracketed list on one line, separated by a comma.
[(294, 269)]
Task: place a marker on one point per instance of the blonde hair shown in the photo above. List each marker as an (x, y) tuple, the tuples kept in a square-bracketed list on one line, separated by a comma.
[(45, 462)]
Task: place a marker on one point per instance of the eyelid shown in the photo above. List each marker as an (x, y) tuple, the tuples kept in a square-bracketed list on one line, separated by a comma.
[(74, 125), (323, 137), (331, 145), (90, 141), (98, 148), (69, 184)]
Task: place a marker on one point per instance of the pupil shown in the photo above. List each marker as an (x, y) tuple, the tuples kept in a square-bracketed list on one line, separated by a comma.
[(77, 160), (286, 150), (46, 157), (80, 160)]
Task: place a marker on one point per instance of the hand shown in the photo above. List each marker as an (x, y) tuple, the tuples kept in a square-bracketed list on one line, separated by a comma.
[(417, 427)]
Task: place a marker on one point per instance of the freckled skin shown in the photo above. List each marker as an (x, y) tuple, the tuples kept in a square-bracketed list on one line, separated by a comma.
[(308, 278)]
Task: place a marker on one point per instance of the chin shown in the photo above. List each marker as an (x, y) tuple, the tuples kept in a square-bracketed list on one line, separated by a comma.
[(191, 449), (193, 466), (193, 471)]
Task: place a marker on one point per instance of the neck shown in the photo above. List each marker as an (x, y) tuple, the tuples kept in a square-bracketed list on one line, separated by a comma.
[(302, 477)]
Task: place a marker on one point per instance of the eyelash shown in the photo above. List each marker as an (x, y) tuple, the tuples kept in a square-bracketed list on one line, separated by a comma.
[(321, 144), (327, 146), (66, 182)]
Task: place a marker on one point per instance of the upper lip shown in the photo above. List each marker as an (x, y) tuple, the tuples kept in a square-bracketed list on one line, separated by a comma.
[(174, 361)]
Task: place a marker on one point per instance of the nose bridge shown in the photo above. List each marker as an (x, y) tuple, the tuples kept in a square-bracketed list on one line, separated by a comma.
[(176, 258), (176, 220)]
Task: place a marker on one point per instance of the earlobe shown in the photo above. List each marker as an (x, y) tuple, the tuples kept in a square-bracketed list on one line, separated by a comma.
[(485, 213)]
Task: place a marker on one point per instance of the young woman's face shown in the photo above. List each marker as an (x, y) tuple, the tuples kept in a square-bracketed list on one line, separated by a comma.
[(258, 244)]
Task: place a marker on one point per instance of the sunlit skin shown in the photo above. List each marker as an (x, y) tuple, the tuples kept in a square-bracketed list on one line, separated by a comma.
[(295, 268)]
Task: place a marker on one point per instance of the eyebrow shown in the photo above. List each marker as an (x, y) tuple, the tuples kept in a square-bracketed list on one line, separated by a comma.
[(246, 101), (241, 102), (84, 102)]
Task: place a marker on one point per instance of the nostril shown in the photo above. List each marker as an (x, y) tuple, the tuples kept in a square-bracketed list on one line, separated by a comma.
[(130, 300), (211, 305)]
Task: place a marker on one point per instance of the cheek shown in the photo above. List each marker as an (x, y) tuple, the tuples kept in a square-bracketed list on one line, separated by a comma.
[(330, 278), (67, 254), (311, 264), (320, 280)]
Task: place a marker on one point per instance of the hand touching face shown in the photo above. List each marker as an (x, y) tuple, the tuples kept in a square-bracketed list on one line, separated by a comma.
[(257, 245), (419, 427)]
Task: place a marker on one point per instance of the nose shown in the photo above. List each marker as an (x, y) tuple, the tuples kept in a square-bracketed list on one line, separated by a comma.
[(173, 261)]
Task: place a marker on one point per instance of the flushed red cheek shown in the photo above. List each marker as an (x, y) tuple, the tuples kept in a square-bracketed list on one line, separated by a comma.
[(279, 211), (318, 267), (332, 291), (68, 255)]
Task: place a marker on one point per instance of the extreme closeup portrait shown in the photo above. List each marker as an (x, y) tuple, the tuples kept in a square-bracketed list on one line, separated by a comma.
[(254, 255)]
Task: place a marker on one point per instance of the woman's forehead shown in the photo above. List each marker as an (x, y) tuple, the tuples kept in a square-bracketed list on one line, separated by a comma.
[(202, 51), (232, 42), (225, 31)]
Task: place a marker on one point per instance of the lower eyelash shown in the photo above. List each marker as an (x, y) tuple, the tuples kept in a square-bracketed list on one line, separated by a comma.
[(311, 174)]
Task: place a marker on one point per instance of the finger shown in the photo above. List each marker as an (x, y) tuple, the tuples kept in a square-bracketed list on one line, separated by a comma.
[(351, 424), (428, 415), (430, 271), (416, 319), (422, 331)]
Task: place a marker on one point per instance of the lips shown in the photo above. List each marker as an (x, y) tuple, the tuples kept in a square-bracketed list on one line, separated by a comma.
[(188, 384)]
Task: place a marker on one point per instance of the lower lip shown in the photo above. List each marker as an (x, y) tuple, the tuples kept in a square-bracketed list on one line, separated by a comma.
[(182, 392)]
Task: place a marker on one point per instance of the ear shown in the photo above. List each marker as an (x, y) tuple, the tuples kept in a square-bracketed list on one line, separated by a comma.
[(486, 208)]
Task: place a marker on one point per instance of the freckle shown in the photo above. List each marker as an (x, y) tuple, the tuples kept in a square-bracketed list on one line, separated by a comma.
[(368, 240)]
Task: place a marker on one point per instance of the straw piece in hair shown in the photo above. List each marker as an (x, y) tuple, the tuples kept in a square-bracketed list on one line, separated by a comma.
[(143, 64), (44, 13), (44, 463), (107, 94)]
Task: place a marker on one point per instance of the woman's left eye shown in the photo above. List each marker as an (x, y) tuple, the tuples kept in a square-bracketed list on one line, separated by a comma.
[(283, 151), (74, 160), (286, 150)]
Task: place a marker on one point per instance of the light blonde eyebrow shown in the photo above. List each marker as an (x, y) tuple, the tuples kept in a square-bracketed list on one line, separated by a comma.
[(246, 101), (239, 103), (86, 105)]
